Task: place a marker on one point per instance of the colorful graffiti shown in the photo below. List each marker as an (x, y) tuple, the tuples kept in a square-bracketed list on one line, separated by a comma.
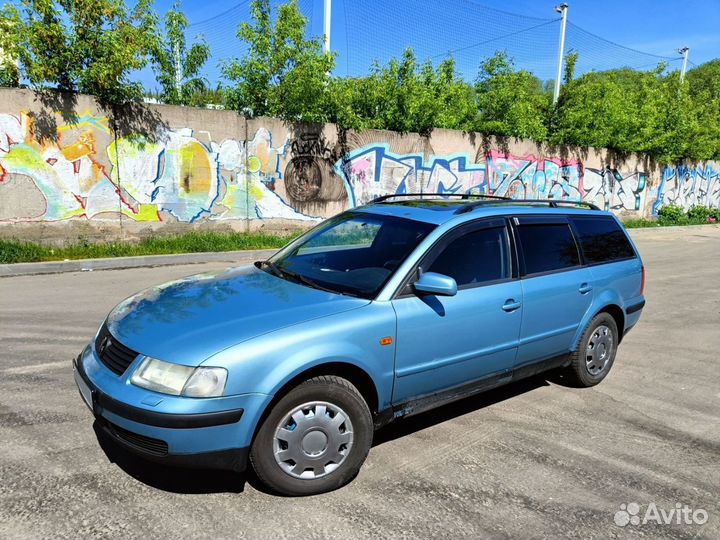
[(374, 170), (176, 176), (184, 175), (689, 186)]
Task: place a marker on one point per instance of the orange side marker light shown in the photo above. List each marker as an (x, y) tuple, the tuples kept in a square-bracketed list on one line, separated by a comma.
[(386, 341)]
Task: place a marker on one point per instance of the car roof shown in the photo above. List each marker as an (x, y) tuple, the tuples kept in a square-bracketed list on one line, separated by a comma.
[(440, 211)]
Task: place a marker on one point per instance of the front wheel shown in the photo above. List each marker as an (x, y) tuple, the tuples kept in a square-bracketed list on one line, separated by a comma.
[(595, 354), (315, 438)]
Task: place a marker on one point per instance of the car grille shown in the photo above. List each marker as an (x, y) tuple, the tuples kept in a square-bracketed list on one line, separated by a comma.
[(116, 356), (148, 445)]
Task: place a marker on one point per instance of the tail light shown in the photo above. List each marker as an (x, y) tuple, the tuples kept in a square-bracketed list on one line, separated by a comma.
[(642, 282)]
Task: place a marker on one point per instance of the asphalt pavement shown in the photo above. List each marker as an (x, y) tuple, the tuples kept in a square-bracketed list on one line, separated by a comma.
[(533, 459)]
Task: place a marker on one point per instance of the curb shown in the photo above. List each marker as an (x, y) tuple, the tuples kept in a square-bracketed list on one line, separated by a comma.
[(119, 263), (672, 228), (230, 257)]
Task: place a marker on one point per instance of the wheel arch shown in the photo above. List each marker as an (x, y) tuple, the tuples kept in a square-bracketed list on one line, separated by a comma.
[(360, 378), (616, 313), (611, 308)]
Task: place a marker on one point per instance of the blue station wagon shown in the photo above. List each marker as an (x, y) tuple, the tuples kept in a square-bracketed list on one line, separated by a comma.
[(381, 312)]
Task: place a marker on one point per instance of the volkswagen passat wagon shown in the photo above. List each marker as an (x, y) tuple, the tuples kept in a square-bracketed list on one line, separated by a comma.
[(381, 312)]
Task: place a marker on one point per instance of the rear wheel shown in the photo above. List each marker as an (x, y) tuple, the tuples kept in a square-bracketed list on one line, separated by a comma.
[(595, 355), (315, 439)]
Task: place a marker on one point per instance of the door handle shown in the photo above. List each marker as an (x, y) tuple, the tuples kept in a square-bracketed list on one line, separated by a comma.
[(585, 288), (511, 305)]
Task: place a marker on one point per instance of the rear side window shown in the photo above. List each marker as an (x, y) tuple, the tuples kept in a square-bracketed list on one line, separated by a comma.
[(547, 247), (602, 240), (474, 258)]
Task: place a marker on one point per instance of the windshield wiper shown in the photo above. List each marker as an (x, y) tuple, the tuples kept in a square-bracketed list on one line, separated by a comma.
[(274, 268), (299, 278), (309, 282)]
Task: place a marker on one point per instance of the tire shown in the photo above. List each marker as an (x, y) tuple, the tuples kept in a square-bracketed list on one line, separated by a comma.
[(315, 439), (595, 355)]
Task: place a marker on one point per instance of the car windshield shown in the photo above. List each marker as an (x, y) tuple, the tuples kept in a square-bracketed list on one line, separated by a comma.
[(353, 253)]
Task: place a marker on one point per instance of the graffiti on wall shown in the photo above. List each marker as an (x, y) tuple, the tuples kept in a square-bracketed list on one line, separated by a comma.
[(688, 186), (185, 175), (374, 170), (181, 175)]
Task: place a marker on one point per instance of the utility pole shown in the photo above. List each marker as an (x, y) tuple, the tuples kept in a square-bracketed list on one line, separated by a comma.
[(685, 51), (563, 10), (327, 16)]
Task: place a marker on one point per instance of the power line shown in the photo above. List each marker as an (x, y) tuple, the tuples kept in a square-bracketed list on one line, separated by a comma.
[(551, 21), (220, 15), (595, 36), (467, 29)]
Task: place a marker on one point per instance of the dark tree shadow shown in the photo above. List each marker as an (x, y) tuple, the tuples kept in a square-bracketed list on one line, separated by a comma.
[(133, 119), (136, 120), (51, 103)]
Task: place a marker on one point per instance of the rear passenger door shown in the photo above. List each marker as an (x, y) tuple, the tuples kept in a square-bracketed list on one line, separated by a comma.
[(616, 268), (557, 289)]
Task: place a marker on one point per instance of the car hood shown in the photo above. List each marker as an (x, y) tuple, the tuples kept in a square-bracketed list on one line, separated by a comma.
[(188, 320)]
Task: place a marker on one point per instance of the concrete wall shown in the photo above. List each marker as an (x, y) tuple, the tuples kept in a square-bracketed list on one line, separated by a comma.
[(69, 169)]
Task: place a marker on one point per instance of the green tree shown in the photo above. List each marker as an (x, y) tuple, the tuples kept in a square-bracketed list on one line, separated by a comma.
[(633, 111), (571, 59), (704, 80), (9, 72), (405, 96), (704, 90), (511, 102), (282, 74), (176, 66), (89, 46)]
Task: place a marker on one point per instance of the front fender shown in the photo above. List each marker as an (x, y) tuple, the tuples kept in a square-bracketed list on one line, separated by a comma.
[(267, 363)]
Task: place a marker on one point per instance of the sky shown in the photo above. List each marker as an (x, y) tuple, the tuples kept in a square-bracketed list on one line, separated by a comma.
[(606, 33)]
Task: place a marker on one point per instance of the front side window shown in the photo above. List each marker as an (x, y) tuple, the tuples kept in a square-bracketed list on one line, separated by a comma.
[(547, 247), (602, 240), (475, 258), (354, 253)]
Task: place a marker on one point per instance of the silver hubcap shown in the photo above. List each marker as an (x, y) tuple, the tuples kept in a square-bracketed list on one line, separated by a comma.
[(313, 440), (599, 349)]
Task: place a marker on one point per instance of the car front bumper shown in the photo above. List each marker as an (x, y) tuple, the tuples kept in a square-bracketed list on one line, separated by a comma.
[(168, 429)]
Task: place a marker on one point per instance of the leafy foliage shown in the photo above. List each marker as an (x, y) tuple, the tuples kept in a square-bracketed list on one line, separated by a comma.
[(282, 74), (702, 213), (93, 46), (89, 46), (177, 68), (640, 111), (9, 72), (404, 96), (511, 102)]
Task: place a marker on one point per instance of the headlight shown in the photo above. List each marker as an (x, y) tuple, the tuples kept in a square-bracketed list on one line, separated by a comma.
[(178, 380)]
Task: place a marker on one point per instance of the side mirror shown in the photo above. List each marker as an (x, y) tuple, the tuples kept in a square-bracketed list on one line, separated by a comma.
[(437, 284)]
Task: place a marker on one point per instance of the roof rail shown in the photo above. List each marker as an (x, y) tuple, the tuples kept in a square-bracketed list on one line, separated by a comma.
[(461, 196), (552, 203)]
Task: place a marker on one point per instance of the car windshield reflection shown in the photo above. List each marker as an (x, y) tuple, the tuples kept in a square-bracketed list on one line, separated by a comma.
[(354, 253)]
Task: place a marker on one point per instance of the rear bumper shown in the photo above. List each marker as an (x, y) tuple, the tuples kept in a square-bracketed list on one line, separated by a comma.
[(635, 307), (170, 438)]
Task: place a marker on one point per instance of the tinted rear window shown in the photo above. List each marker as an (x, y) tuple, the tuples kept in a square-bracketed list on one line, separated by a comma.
[(602, 240), (547, 247)]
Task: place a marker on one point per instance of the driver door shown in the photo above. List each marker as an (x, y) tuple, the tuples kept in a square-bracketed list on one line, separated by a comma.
[(448, 341)]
